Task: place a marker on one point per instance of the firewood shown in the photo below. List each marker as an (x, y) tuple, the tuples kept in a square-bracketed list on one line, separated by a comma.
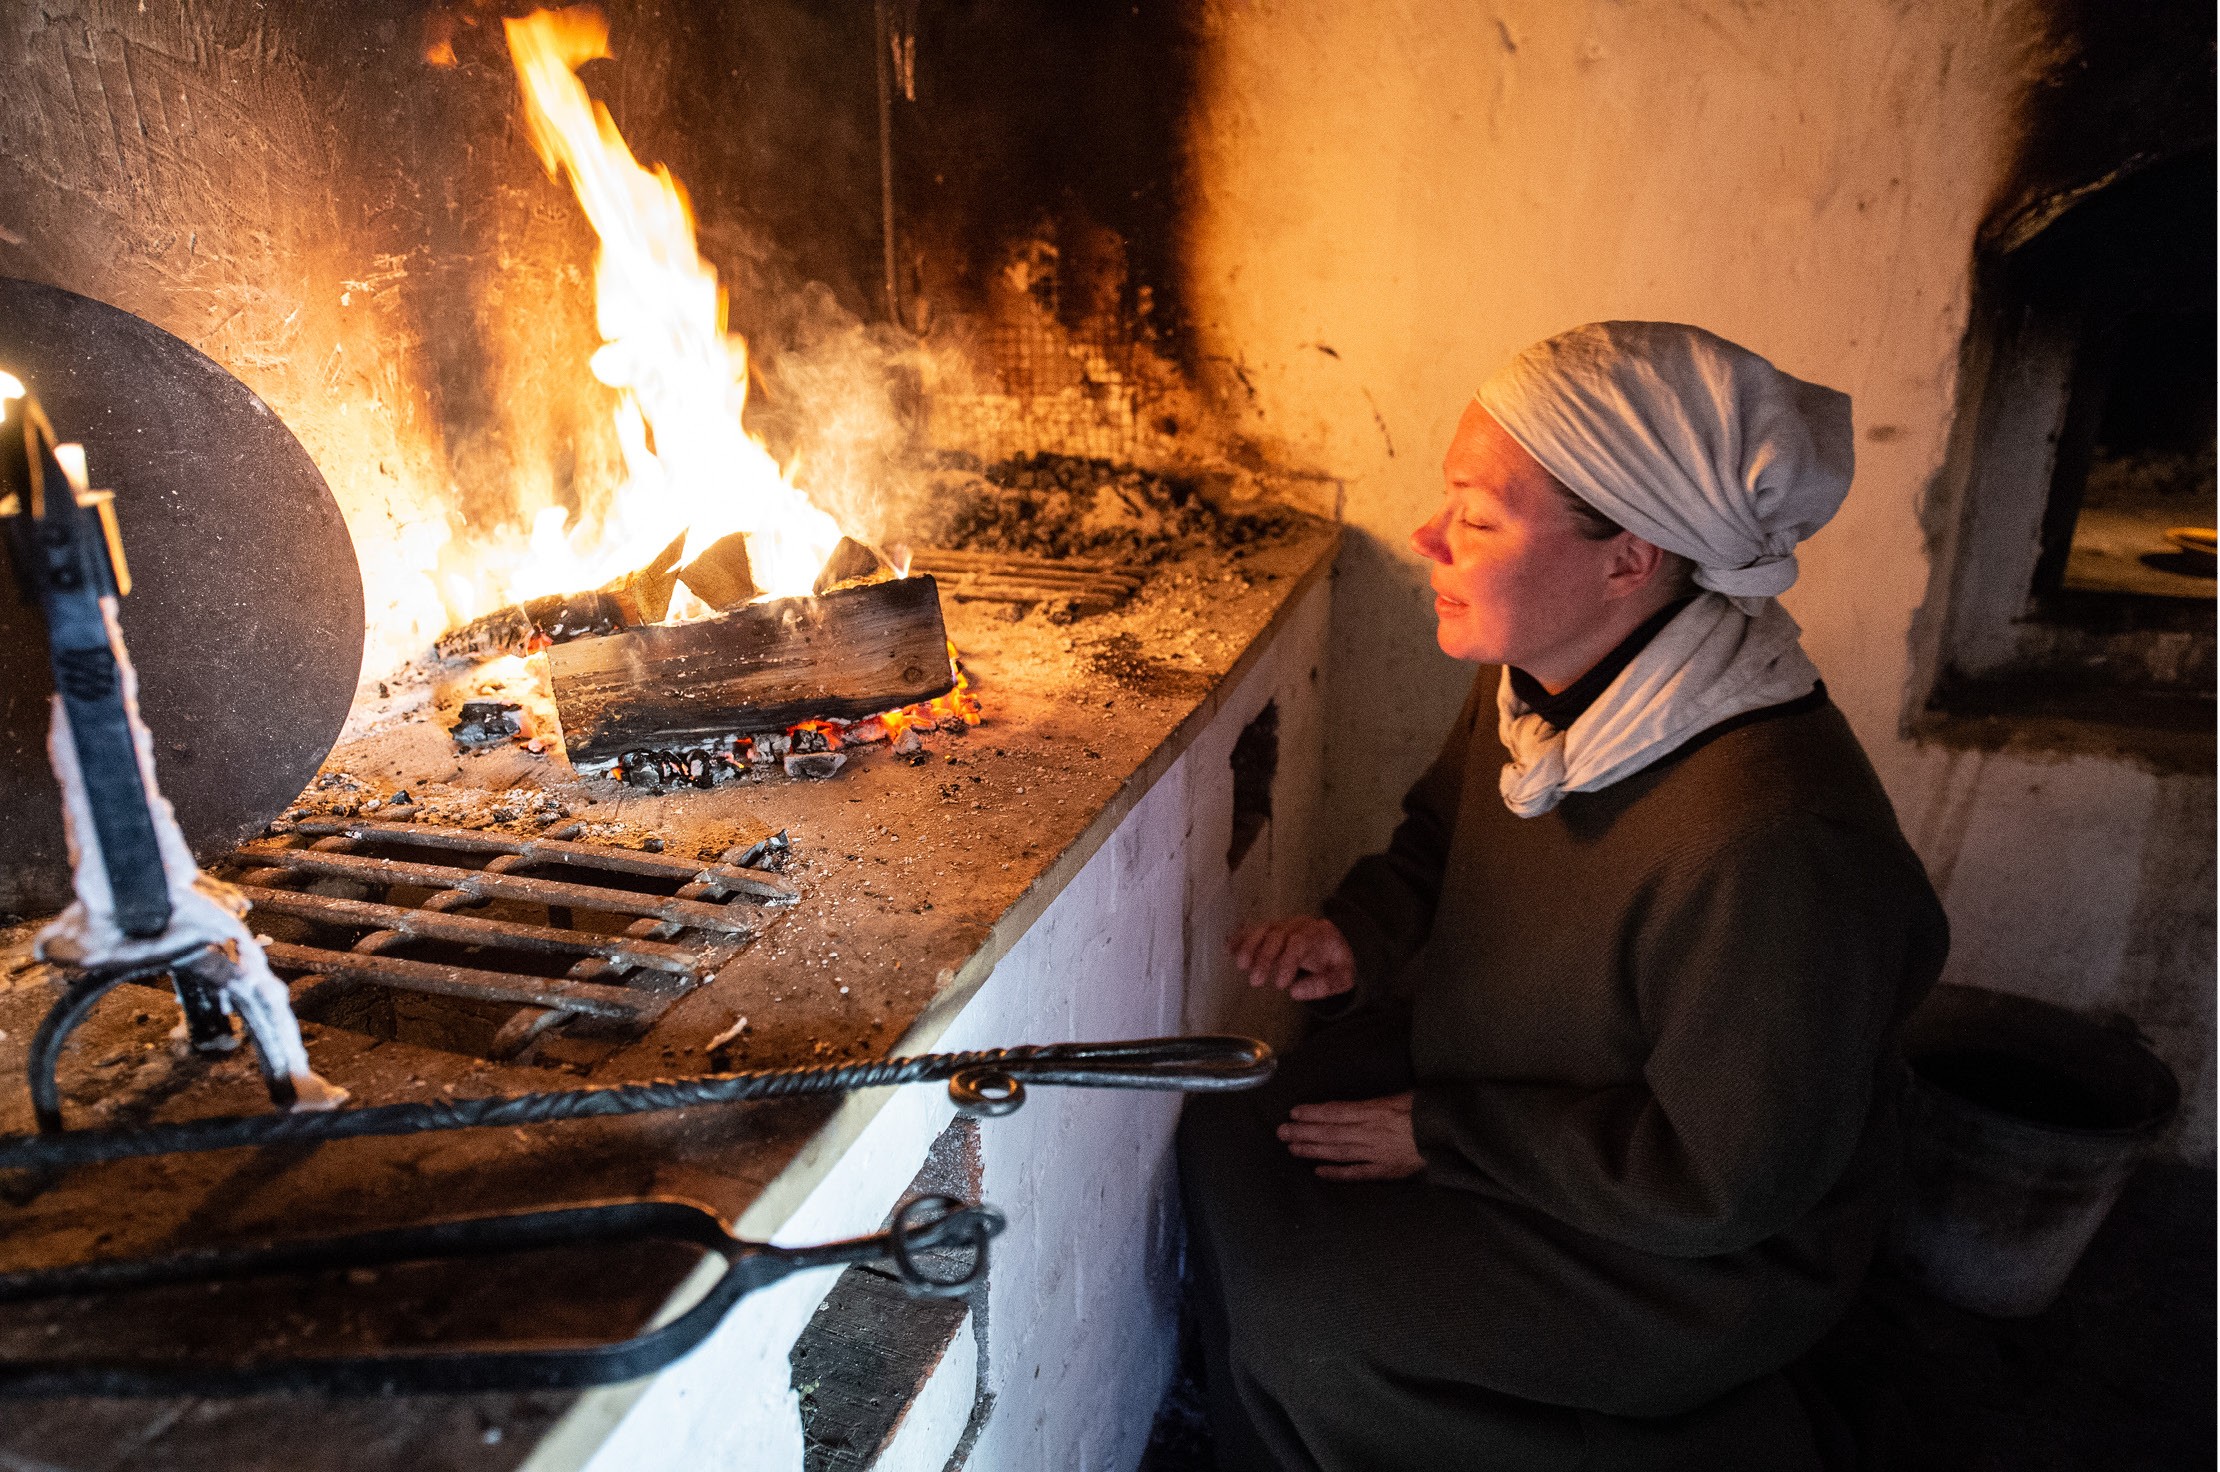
[(851, 561), (519, 627), (640, 597), (846, 654), (646, 593), (721, 576)]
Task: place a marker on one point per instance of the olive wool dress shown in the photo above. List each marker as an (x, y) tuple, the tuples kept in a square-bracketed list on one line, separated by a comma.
[(1651, 1037)]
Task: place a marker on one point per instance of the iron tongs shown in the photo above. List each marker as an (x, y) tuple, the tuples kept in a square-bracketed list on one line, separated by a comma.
[(919, 1225)]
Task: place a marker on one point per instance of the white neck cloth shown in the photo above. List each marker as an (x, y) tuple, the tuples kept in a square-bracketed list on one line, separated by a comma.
[(1714, 661)]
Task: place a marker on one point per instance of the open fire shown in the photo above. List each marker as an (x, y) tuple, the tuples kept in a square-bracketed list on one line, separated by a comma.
[(705, 524), (693, 473)]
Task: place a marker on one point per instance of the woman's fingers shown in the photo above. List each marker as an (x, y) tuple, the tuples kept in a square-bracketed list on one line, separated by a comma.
[(1264, 955), (1312, 1145), (1352, 1129), (1308, 950)]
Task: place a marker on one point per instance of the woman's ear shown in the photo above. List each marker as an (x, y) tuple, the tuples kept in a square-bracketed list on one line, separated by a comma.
[(1634, 565)]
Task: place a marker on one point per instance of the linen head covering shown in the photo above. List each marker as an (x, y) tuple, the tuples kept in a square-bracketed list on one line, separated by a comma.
[(1704, 449), (1687, 441)]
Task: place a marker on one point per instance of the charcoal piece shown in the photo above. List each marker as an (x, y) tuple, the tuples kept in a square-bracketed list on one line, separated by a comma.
[(488, 722), (721, 576), (851, 562), (814, 763), (660, 769), (810, 739), (853, 652)]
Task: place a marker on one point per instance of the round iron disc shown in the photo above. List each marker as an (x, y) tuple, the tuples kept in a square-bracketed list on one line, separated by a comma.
[(245, 617)]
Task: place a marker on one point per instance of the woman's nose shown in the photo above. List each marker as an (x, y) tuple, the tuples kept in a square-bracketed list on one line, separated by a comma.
[(1428, 539)]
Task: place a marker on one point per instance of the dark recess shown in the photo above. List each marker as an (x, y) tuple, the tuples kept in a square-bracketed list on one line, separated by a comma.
[(1256, 760), (2134, 264), (871, 1347)]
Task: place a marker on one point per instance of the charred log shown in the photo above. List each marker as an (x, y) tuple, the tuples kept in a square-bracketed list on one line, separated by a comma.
[(520, 628), (851, 653), (640, 597)]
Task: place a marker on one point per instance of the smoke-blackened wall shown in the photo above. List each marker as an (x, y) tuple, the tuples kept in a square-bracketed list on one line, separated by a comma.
[(340, 205)]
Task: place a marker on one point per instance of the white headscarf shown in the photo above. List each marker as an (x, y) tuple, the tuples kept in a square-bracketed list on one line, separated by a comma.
[(1687, 441), (1704, 449)]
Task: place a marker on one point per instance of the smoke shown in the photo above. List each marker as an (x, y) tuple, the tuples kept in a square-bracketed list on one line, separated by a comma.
[(841, 399)]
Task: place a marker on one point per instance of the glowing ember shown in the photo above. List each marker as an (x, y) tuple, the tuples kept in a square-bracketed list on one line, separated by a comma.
[(681, 379), (958, 707)]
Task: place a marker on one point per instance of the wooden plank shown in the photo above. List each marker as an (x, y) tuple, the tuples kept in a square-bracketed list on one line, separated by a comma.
[(846, 654)]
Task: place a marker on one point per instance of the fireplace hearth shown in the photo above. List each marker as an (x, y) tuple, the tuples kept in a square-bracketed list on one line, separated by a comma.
[(552, 846)]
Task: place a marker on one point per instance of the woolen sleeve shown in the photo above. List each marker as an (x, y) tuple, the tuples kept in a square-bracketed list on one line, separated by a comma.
[(1767, 979), (1385, 905)]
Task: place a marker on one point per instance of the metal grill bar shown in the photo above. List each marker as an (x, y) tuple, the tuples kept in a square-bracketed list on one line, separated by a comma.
[(486, 885), (673, 941), (687, 961), (719, 878), (559, 994), (1006, 577)]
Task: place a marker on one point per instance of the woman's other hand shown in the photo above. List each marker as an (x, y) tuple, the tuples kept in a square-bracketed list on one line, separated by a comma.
[(1364, 1139), (1304, 956)]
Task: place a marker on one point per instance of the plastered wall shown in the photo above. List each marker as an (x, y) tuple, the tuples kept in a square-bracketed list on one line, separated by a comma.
[(1390, 199)]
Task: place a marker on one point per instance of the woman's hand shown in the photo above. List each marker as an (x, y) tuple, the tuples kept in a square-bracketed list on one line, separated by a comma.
[(1366, 1139), (1304, 956)]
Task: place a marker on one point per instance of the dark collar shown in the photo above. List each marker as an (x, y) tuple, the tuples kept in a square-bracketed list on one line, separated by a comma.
[(1568, 704)]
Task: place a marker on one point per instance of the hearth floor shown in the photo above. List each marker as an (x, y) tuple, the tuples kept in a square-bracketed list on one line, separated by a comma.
[(914, 880)]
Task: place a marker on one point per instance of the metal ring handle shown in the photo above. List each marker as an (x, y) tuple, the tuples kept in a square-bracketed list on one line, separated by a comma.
[(986, 1093), (957, 1222)]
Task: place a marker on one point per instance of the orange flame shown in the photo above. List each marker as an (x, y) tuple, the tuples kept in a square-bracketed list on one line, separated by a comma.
[(681, 379), (958, 705)]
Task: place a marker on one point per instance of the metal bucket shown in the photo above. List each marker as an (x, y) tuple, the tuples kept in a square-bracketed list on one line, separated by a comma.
[(2022, 1122)]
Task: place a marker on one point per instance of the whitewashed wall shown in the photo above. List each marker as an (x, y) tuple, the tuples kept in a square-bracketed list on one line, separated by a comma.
[(1391, 199)]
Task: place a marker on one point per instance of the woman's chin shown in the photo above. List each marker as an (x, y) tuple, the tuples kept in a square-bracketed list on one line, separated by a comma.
[(1459, 642)]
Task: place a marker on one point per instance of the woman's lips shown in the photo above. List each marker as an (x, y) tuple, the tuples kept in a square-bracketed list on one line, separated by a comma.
[(1446, 606)]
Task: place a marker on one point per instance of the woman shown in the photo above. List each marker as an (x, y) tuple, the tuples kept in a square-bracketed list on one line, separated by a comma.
[(1597, 1137)]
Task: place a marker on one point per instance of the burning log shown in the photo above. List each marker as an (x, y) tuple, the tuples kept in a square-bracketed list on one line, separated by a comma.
[(851, 562), (640, 597), (721, 576), (522, 627), (645, 595), (852, 652)]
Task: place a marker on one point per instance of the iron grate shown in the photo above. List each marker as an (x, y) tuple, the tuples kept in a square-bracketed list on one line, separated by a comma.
[(618, 936)]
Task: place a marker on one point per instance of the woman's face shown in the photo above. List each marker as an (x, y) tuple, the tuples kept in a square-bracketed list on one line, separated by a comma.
[(1514, 580)]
